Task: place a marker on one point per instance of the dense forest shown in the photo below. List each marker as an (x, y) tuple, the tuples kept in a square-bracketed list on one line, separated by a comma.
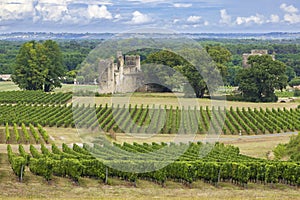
[(75, 51)]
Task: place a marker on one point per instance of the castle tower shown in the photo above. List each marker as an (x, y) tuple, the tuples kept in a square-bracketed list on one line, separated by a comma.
[(138, 62), (123, 76), (255, 52)]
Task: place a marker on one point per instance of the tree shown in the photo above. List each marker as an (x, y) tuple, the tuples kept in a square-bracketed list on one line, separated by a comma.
[(221, 56), (258, 82), (177, 65), (290, 73), (232, 72), (39, 66), (295, 82)]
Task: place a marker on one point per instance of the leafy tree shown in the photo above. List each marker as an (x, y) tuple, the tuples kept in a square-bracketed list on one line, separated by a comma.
[(187, 67), (164, 68), (54, 66), (38, 66), (290, 73), (232, 72), (295, 82), (258, 82), (221, 56)]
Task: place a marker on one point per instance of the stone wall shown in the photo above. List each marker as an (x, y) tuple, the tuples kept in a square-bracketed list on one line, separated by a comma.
[(121, 77), (255, 52)]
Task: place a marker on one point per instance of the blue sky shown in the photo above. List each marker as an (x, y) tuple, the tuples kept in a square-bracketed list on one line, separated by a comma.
[(123, 15)]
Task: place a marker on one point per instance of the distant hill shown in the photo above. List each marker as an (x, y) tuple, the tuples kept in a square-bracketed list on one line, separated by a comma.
[(25, 36)]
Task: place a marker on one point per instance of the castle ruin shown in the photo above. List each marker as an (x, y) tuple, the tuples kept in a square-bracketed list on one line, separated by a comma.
[(255, 52), (122, 76)]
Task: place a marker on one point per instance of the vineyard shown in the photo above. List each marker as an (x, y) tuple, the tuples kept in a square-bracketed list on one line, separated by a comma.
[(23, 134), (148, 119), (219, 164), (30, 150), (39, 97)]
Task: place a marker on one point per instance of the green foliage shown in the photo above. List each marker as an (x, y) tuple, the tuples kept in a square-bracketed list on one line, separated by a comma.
[(219, 163), (23, 153), (38, 66), (34, 97), (16, 132), (7, 133), (42, 167), (258, 82), (43, 133), (297, 93), (290, 73), (291, 149), (280, 151), (197, 120), (172, 70), (232, 72), (18, 163), (294, 82), (221, 56)]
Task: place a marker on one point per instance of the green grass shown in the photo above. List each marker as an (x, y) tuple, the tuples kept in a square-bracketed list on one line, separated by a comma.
[(8, 86), (284, 94)]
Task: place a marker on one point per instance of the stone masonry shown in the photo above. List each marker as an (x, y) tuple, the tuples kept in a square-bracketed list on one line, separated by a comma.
[(254, 53), (122, 76)]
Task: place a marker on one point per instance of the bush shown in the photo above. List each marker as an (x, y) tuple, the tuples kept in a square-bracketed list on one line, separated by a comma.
[(297, 93), (295, 82)]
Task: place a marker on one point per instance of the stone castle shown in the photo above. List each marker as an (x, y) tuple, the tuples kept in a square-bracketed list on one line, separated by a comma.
[(255, 52), (122, 76)]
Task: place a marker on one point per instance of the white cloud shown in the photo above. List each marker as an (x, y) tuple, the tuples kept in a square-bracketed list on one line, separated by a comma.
[(257, 19), (175, 21), (274, 19), (139, 18), (57, 11), (206, 23), (96, 12), (148, 1), (291, 15), (118, 17), (194, 19), (292, 18), (225, 18), (15, 10), (288, 9), (182, 5), (51, 12)]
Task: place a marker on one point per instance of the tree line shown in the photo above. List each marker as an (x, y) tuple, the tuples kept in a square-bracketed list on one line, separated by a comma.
[(43, 66)]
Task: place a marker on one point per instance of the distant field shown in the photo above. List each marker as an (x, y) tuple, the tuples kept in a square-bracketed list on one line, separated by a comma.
[(8, 86)]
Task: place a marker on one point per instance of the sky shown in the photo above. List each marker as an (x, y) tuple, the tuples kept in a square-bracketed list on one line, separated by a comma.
[(191, 16)]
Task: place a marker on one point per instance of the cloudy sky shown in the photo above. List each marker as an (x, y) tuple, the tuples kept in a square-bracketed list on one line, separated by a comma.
[(123, 15)]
